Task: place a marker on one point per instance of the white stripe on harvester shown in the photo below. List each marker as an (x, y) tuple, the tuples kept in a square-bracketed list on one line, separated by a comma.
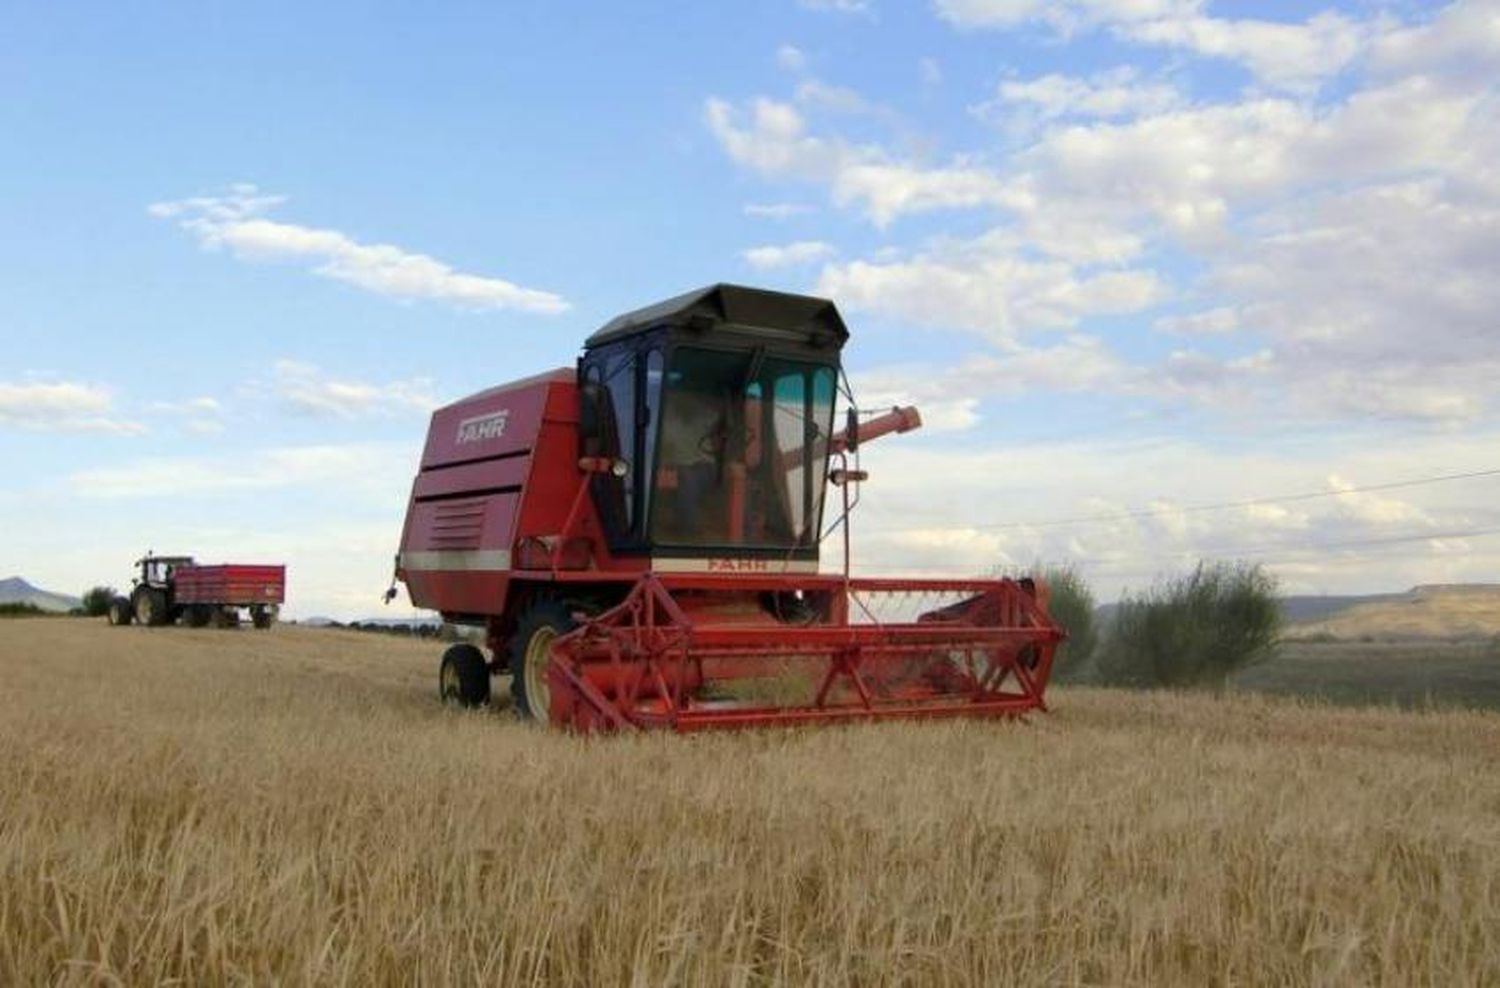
[(457, 559)]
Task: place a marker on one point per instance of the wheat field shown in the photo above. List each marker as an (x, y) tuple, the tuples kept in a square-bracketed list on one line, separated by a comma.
[(220, 807)]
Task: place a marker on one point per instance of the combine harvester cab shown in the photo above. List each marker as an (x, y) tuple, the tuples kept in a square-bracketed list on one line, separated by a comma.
[(640, 538)]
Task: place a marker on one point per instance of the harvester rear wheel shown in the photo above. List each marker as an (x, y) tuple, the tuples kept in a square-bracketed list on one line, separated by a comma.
[(119, 613), (464, 676), (150, 606), (530, 647)]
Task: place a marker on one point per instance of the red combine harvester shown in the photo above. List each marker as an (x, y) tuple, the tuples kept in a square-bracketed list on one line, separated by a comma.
[(172, 587), (639, 537)]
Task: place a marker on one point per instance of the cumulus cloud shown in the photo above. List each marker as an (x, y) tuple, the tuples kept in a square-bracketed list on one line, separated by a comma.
[(384, 466), (1114, 94), (61, 406), (997, 293), (1209, 322), (777, 210), (787, 255), (791, 58), (837, 6), (1340, 246), (772, 138), (235, 221), (1292, 55), (201, 415), (307, 390)]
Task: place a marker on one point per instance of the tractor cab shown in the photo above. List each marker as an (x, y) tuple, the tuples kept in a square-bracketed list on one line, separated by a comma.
[(715, 409), (156, 571)]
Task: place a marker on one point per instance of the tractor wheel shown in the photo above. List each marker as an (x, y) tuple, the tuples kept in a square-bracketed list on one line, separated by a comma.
[(197, 616), (464, 677), (119, 613), (263, 616), (530, 647), (150, 607)]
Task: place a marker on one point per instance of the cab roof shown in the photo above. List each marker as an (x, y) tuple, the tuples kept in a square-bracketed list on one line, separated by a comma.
[(804, 319)]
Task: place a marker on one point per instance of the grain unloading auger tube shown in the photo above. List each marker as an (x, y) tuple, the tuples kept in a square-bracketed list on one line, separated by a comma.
[(639, 537)]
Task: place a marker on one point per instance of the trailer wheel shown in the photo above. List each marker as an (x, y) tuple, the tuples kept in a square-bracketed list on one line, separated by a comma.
[(464, 677), (531, 645), (263, 615), (226, 617), (197, 615), (119, 612), (150, 607)]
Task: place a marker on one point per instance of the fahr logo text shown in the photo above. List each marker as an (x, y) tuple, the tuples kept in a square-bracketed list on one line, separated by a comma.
[(491, 426), (739, 565)]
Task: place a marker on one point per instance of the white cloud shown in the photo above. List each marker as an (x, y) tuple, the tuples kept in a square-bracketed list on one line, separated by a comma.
[(931, 71), (777, 210), (996, 293), (949, 397), (787, 255), (1343, 244), (1291, 55), (771, 138), (234, 221), (1206, 323), (1463, 38), (1007, 503), (308, 390), (838, 6), (1107, 95), (61, 406), (382, 465), (200, 415), (791, 58)]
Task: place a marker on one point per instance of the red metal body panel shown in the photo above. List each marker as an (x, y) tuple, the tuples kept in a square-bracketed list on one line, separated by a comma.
[(235, 584), (501, 514)]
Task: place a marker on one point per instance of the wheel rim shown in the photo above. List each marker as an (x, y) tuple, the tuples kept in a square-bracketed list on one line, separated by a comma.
[(538, 694), (448, 686)]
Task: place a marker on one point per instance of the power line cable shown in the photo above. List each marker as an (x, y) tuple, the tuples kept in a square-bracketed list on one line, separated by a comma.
[(1303, 547), (1199, 508)]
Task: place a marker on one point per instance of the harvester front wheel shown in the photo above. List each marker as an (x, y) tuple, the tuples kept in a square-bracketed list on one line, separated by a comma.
[(119, 613), (150, 607), (464, 676), (530, 648)]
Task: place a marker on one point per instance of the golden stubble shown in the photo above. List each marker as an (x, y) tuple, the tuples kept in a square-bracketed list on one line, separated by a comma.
[(236, 806)]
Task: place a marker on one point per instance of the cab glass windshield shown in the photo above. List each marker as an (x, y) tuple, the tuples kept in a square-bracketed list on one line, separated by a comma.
[(743, 450)]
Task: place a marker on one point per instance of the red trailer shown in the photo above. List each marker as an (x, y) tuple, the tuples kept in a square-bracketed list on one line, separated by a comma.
[(173, 587), (640, 537)]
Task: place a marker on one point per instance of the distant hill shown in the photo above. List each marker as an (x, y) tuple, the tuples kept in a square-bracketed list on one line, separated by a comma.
[(1454, 610), (16, 590)]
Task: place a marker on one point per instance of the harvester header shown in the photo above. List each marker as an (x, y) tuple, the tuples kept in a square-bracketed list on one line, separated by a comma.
[(639, 535)]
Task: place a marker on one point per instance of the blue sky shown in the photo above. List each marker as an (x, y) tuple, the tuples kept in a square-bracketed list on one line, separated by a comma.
[(1129, 256)]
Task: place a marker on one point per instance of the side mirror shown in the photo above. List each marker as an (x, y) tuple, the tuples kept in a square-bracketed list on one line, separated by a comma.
[(851, 429)]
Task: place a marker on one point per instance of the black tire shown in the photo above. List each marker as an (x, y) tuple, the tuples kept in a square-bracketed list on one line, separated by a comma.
[(263, 615), (464, 676), (226, 617), (197, 615), (541, 622), (149, 607), (119, 613)]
